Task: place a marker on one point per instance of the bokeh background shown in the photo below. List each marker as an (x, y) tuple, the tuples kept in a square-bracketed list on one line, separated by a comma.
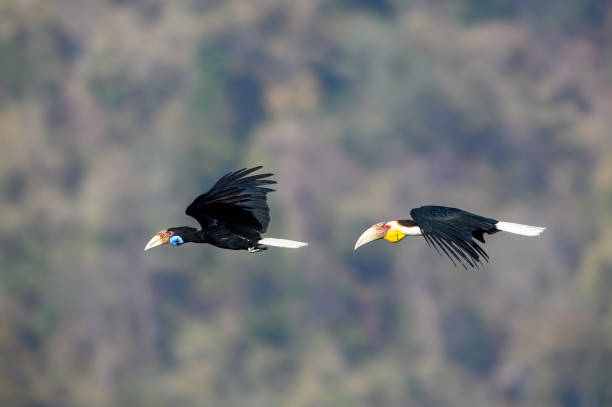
[(115, 114)]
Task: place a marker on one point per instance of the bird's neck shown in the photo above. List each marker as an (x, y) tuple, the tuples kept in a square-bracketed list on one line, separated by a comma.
[(192, 235), (406, 226)]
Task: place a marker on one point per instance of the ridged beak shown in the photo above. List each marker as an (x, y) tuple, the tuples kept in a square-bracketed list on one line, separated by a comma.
[(158, 240), (375, 232)]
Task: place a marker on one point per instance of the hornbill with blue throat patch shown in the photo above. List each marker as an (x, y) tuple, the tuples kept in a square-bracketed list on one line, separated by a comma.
[(449, 230), (233, 214)]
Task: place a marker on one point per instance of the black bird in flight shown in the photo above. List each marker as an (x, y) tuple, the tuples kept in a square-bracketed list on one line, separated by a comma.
[(233, 214), (448, 230)]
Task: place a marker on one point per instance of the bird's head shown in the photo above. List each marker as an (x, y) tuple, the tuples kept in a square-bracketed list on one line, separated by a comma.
[(174, 236), (387, 230)]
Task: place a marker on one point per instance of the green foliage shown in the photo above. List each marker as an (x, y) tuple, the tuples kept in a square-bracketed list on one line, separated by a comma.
[(16, 70), (117, 91), (477, 11), (213, 66), (470, 342)]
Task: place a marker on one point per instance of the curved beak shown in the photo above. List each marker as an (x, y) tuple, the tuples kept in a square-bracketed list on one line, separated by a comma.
[(375, 232), (158, 240)]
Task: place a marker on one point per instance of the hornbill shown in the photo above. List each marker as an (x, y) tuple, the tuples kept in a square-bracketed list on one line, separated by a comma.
[(448, 230), (233, 214)]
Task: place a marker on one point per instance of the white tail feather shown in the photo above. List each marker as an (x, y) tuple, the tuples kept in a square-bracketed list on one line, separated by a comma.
[(519, 229), (290, 244)]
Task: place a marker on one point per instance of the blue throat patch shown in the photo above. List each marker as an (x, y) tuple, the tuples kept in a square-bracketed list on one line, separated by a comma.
[(176, 240)]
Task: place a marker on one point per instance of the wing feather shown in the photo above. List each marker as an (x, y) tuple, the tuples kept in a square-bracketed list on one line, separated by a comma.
[(442, 245), (453, 230), (238, 199)]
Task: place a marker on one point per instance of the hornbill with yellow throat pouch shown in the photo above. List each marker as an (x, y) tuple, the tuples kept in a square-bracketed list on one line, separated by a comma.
[(233, 214), (449, 230)]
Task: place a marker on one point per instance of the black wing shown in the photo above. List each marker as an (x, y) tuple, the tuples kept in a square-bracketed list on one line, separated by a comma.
[(237, 200), (452, 231)]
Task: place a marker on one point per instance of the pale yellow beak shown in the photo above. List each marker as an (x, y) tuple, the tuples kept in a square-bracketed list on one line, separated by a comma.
[(375, 232), (158, 240)]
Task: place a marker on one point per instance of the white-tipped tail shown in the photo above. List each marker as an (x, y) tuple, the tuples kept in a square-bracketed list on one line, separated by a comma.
[(519, 229), (290, 244)]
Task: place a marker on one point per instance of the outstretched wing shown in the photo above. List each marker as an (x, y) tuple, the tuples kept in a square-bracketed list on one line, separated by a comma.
[(236, 199), (452, 231)]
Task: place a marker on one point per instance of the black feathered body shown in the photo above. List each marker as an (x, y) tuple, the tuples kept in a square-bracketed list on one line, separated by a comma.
[(453, 231), (233, 213), (226, 237), (219, 235)]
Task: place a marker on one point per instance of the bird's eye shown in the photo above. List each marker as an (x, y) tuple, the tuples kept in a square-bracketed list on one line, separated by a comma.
[(176, 241)]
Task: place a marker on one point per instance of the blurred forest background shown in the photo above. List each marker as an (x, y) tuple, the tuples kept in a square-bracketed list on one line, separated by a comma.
[(115, 114)]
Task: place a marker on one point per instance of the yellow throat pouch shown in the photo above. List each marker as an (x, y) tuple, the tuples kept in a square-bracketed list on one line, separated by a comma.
[(394, 235)]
